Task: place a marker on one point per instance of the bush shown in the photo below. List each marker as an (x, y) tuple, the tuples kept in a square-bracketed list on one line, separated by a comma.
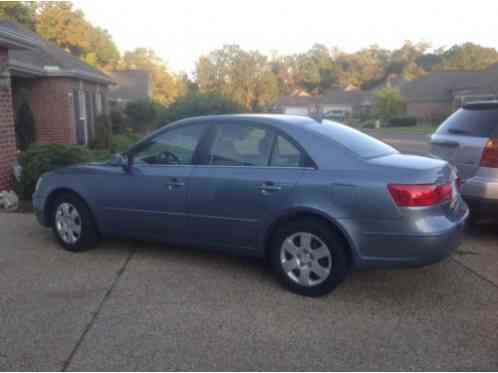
[(388, 103), (118, 121), (402, 122), (195, 104), (142, 115), (121, 143), (39, 159), (25, 127), (103, 133)]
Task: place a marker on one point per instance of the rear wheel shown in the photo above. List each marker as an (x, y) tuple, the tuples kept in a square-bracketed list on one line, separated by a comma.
[(72, 223), (308, 257)]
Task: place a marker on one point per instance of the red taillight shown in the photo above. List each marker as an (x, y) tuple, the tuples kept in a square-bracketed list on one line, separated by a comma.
[(489, 156), (412, 195)]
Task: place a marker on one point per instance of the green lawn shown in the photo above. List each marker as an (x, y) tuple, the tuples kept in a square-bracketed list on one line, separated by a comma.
[(418, 129)]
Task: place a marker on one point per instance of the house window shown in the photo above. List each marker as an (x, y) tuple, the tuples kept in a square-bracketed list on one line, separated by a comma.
[(83, 116), (98, 102), (82, 105)]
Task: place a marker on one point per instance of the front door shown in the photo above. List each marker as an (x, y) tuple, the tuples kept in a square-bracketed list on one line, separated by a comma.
[(149, 200), (239, 188)]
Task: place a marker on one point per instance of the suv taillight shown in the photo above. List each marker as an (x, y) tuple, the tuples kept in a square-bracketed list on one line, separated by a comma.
[(489, 156), (413, 195)]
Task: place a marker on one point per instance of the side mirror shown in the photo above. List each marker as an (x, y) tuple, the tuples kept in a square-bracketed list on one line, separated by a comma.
[(120, 160)]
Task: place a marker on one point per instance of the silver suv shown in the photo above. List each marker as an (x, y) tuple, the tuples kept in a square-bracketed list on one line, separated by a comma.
[(469, 140)]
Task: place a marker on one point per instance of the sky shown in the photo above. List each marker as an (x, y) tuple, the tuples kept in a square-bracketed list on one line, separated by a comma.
[(180, 31)]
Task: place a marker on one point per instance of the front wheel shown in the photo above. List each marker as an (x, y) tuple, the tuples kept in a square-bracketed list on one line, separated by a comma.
[(309, 258), (72, 223)]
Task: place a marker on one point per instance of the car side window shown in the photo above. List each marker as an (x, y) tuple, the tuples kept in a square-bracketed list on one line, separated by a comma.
[(176, 146), (241, 145), (286, 154)]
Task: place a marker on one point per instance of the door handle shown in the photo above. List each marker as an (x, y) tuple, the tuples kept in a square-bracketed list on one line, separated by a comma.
[(269, 187), (174, 183)]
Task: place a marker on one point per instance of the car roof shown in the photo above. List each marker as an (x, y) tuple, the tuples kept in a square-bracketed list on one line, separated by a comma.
[(274, 119)]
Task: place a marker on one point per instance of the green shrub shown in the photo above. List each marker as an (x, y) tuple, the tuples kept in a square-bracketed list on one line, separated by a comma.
[(402, 122), (121, 143), (142, 115), (118, 120), (25, 127), (38, 159), (103, 133)]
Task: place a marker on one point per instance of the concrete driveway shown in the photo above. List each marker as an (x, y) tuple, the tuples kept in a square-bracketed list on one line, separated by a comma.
[(131, 306)]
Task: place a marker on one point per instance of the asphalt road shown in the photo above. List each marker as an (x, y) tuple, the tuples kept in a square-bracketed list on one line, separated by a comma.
[(131, 306)]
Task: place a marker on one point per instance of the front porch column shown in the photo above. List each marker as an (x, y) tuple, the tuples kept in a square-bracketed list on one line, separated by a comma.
[(8, 149)]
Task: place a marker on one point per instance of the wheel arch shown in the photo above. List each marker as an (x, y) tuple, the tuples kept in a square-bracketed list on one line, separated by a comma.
[(307, 213), (51, 198)]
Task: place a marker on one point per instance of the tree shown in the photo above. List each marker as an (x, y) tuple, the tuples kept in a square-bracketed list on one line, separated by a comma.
[(195, 104), (23, 12), (468, 56), (389, 104), (244, 76), (68, 28), (166, 86)]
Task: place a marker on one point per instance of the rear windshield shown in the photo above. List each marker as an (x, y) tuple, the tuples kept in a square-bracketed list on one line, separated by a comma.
[(470, 122), (359, 143)]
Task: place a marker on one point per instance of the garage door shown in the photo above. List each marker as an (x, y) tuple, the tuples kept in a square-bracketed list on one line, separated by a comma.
[(296, 110)]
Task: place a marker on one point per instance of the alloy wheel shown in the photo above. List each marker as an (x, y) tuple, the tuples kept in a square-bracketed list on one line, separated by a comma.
[(305, 259)]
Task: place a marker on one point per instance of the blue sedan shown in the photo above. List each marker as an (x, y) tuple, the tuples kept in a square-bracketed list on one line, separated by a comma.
[(315, 198)]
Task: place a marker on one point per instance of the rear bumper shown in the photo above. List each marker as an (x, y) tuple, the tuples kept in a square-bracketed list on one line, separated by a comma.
[(479, 187), (392, 250), (481, 194)]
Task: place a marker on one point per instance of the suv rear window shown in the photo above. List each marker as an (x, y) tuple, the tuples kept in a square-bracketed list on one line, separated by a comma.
[(470, 122)]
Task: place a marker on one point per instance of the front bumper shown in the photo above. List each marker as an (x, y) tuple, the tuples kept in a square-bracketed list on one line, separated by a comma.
[(38, 207)]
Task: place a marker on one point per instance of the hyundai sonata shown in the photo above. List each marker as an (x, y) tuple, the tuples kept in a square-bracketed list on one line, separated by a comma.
[(316, 198)]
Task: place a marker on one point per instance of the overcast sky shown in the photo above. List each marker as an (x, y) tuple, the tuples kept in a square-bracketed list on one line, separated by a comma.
[(182, 30)]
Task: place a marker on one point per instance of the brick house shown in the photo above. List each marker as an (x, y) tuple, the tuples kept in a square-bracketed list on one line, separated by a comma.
[(334, 103), (65, 94), (435, 95)]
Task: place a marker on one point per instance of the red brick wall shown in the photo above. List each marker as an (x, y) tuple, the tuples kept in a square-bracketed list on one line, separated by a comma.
[(53, 109), (428, 110), (52, 106), (8, 150)]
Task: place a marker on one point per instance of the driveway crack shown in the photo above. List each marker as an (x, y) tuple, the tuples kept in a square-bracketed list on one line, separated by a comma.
[(475, 273), (96, 313)]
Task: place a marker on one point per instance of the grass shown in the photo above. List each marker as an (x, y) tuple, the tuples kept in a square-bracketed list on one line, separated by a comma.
[(418, 129)]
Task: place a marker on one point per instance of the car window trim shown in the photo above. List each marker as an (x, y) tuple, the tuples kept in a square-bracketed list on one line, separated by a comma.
[(307, 162), (215, 137)]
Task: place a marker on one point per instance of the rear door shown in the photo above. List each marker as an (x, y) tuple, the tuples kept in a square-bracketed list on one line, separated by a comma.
[(462, 137), (248, 176)]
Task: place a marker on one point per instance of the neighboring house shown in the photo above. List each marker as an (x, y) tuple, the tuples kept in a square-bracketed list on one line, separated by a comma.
[(131, 85), (338, 103), (435, 95), (65, 94)]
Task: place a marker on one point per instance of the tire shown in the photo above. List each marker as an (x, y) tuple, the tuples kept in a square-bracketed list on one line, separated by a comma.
[(325, 247), (84, 232)]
